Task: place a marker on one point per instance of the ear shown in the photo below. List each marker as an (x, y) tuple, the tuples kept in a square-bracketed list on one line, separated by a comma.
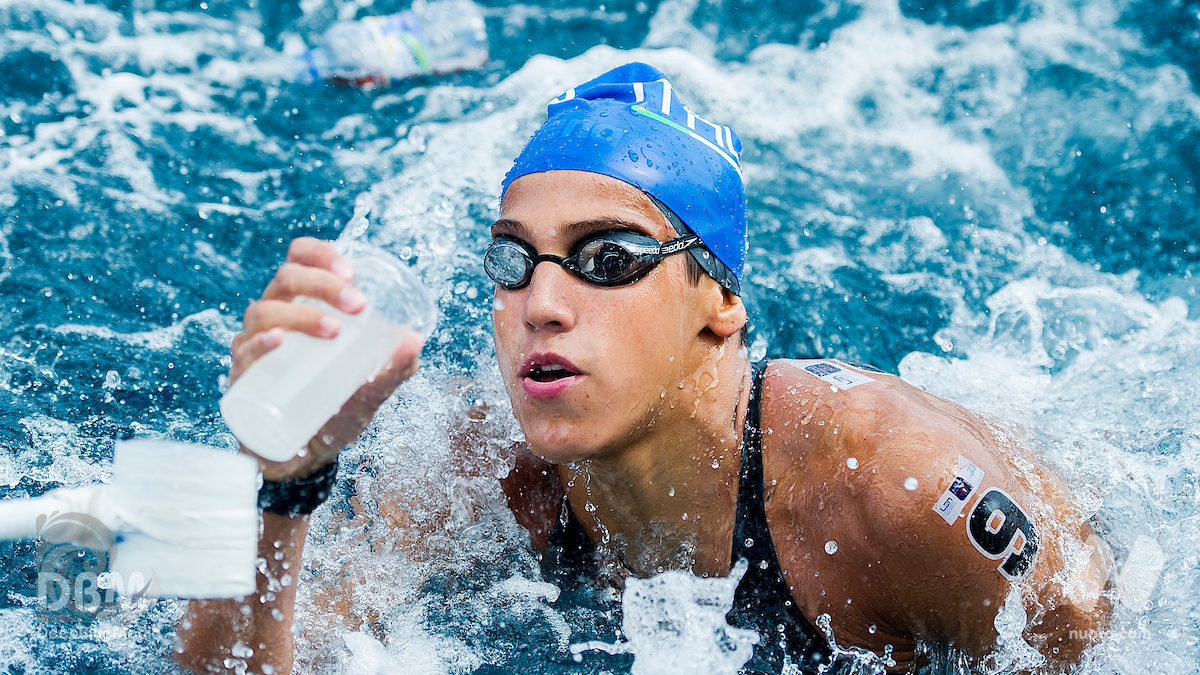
[(727, 314)]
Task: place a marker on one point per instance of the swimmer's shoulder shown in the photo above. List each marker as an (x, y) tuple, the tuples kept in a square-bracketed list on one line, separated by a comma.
[(808, 404), (873, 420), (890, 474), (834, 405), (864, 467), (877, 456)]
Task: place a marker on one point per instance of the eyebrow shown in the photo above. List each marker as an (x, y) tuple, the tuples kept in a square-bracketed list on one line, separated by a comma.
[(572, 231)]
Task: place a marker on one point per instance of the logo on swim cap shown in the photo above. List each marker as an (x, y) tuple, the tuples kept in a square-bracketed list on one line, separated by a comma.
[(629, 124)]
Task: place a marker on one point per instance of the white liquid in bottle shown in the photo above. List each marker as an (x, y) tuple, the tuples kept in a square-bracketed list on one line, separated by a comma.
[(288, 395), (285, 398)]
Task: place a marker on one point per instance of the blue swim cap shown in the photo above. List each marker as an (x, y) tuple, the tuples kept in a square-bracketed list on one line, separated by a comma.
[(629, 125)]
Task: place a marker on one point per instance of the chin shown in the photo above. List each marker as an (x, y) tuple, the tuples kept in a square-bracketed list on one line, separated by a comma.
[(558, 442)]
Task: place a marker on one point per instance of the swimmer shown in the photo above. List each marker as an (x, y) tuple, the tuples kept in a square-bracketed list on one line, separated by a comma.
[(619, 331)]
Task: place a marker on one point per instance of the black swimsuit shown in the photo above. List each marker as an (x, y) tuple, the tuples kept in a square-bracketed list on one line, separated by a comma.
[(762, 602)]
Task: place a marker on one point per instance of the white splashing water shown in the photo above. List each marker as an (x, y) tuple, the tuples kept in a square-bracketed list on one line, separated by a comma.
[(675, 625)]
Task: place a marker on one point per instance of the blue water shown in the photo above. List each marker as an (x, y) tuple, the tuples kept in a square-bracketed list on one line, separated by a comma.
[(997, 198)]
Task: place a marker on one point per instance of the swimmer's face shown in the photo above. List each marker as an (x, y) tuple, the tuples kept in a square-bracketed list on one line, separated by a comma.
[(587, 368)]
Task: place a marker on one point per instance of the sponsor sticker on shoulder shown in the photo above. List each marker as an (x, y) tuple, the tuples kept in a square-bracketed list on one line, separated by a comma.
[(967, 477), (835, 373)]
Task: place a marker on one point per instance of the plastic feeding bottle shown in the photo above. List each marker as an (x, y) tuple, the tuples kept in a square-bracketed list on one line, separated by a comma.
[(433, 38), (285, 398)]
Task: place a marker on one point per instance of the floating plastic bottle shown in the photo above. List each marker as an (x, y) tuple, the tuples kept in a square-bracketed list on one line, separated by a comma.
[(433, 38)]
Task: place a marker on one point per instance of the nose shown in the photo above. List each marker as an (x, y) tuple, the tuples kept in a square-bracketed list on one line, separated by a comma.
[(547, 305)]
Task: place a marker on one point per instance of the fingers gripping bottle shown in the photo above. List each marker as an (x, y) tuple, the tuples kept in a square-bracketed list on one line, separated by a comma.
[(433, 38), (285, 398)]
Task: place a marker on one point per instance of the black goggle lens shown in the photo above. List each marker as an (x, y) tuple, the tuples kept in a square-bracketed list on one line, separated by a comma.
[(606, 261)]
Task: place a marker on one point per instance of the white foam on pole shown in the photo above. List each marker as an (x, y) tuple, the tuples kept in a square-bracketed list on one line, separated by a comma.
[(184, 519)]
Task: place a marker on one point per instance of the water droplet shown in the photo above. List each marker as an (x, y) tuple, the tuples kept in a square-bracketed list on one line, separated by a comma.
[(633, 157), (872, 629), (762, 564), (671, 492), (910, 483), (831, 547), (852, 463), (498, 305), (749, 542)]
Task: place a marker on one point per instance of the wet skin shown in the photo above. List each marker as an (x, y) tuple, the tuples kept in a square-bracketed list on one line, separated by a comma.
[(643, 439)]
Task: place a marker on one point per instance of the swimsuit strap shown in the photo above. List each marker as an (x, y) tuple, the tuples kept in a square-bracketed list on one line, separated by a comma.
[(763, 599), (569, 559)]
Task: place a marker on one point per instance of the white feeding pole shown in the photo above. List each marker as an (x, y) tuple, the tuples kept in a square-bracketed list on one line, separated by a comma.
[(181, 518)]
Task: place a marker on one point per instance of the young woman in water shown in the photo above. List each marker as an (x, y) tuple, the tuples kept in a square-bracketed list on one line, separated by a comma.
[(652, 440)]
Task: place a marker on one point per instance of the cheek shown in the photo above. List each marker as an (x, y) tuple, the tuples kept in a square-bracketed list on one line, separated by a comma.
[(504, 321), (646, 327)]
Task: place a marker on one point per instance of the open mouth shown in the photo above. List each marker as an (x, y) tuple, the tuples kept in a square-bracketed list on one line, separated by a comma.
[(549, 372)]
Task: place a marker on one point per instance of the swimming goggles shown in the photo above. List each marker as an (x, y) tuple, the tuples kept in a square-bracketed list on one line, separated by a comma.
[(612, 258)]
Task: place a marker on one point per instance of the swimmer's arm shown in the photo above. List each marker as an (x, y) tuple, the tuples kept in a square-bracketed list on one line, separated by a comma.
[(262, 621), (942, 586)]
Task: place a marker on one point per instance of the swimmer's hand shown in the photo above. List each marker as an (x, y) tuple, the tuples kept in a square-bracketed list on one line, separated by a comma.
[(315, 269)]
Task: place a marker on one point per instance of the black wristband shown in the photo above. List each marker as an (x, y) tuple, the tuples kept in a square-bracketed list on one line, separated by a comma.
[(300, 496)]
